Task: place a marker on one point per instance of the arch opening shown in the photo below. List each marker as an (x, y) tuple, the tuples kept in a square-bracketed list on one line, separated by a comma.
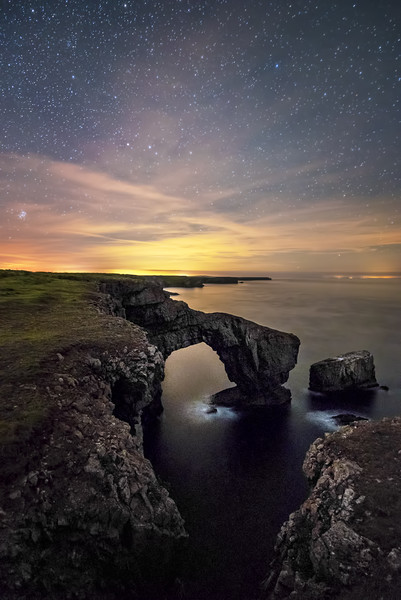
[(195, 371)]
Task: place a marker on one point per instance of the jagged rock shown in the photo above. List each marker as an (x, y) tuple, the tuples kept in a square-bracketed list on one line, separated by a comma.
[(343, 542), (91, 520), (258, 359), (347, 371), (86, 517)]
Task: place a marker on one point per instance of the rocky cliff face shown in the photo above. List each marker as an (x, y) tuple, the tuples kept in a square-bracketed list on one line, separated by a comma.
[(258, 359), (88, 519), (344, 541)]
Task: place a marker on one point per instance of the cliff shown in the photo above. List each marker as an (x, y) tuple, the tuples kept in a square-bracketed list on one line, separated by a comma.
[(87, 517), (82, 514), (344, 541)]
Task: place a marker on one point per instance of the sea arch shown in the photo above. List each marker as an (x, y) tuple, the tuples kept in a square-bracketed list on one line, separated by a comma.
[(257, 358)]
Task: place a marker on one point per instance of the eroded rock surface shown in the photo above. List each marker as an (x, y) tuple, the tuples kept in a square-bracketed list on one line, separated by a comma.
[(344, 541), (258, 359), (85, 517), (345, 372), (89, 519)]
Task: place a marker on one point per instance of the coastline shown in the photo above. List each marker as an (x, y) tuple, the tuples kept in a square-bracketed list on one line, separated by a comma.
[(119, 369)]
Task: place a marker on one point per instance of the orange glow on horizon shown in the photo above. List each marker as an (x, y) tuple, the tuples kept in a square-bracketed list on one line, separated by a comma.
[(95, 222)]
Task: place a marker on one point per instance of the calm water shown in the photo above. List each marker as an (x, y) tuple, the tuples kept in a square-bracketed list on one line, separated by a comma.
[(236, 476)]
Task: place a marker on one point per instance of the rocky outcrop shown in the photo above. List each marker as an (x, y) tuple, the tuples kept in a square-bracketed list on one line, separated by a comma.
[(88, 517), (258, 359), (345, 372), (344, 541), (84, 516)]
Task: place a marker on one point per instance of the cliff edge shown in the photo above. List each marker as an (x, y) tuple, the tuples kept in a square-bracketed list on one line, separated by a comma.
[(344, 541), (82, 513)]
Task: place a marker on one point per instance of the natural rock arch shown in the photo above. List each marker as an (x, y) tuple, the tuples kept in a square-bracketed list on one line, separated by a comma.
[(258, 359)]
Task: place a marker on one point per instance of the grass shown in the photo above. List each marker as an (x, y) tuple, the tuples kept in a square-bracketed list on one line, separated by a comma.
[(41, 314)]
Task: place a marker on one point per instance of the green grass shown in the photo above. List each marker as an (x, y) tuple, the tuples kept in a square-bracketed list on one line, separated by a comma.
[(41, 314)]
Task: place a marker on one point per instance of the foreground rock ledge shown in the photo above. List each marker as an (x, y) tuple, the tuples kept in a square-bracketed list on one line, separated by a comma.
[(88, 518), (344, 541), (345, 372)]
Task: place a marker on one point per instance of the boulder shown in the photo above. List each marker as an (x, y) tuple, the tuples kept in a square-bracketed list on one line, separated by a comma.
[(345, 372)]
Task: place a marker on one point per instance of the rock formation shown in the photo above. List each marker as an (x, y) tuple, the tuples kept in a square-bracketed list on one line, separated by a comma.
[(84, 515), (345, 372), (344, 541), (258, 359), (88, 517)]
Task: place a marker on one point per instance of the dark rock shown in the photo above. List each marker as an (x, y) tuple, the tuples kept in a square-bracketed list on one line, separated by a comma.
[(234, 397), (353, 370), (347, 418), (90, 519), (343, 542), (385, 388), (210, 410), (258, 359)]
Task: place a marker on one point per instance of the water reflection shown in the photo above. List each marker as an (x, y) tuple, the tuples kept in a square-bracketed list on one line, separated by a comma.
[(237, 474), (348, 401)]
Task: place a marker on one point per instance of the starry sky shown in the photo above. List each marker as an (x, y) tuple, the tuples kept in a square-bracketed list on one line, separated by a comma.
[(208, 136)]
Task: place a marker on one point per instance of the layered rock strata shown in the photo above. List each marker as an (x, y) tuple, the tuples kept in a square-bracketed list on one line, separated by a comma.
[(88, 518), (258, 359), (345, 372), (344, 541)]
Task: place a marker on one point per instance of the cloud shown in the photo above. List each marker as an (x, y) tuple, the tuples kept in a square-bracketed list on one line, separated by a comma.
[(79, 218)]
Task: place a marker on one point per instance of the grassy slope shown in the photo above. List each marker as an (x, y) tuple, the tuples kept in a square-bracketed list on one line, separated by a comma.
[(42, 314)]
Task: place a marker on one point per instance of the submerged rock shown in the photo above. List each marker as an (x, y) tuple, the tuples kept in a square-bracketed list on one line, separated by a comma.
[(345, 372), (347, 418)]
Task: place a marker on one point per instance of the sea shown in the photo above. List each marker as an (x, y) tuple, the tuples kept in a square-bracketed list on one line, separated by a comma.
[(236, 475)]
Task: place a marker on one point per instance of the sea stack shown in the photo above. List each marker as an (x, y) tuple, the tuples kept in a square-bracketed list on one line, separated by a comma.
[(353, 370)]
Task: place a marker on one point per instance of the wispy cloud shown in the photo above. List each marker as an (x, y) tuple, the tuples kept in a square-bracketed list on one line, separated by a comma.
[(62, 216)]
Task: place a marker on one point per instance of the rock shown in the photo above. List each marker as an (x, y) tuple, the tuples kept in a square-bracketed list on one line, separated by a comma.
[(347, 418), (90, 519), (211, 410), (343, 542), (235, 397), (349, 371), (258, 359)]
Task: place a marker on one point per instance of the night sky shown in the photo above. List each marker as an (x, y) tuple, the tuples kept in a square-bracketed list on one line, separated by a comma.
[(200, 136)]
